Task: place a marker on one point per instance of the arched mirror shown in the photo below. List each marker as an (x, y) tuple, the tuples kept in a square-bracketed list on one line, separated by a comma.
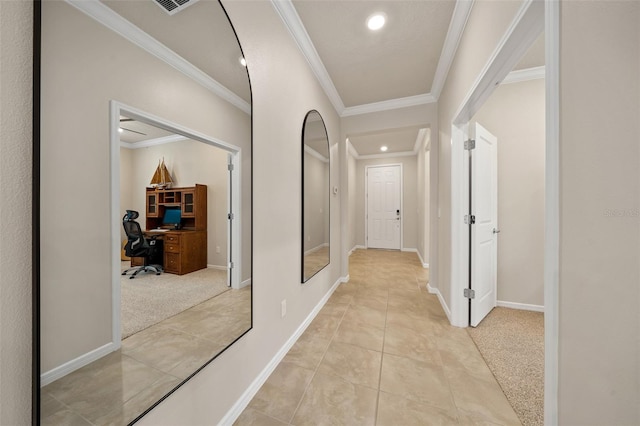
[(315, 195), (143, 185)]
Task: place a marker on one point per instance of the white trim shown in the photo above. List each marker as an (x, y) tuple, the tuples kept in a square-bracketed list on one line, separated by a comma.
[(153, 142), (445, 308), (345, 279), (390, 104), (110, 19), (521, 34), (366, 204), (245, 283), (552, 212), (315, 154), (218, 267), (316, 248), (356, 247), (422, 134), (291, 19), (527, 74), (76, 363), (117, 109), (352, 149), (409, 250), (523, 31), (237, 408), (458, 22), (520, 306), (388, 155), (424, 265)]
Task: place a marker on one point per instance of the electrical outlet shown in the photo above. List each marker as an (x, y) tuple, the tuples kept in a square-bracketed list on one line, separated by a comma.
[(217, 249), (283, 308)]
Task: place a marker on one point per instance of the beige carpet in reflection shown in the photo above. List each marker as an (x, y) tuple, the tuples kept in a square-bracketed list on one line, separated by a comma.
[(149, 298), (512, 343)]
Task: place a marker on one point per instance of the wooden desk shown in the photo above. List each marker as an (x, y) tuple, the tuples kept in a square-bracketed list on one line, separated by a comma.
[(184, 251)]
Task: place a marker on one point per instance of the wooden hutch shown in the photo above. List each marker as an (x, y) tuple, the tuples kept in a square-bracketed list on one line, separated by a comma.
[(184, 249)]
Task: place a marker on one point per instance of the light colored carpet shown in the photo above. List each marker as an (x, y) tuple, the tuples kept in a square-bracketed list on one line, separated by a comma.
[(149, 298), (512, 343)]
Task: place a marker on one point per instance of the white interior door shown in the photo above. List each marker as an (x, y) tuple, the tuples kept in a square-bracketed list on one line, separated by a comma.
[(484, 241), (384, 217)]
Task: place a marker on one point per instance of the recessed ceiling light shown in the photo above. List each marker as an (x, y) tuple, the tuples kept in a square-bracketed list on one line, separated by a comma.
[(383, 148), (243, 62), (375, 22)]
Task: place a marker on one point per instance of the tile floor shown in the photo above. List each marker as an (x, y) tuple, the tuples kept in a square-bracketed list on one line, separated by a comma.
[(381, 352), (117, 388)]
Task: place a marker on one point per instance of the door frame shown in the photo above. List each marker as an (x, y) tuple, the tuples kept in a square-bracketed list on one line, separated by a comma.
[(531, 19), (366, 201), (116, 109)]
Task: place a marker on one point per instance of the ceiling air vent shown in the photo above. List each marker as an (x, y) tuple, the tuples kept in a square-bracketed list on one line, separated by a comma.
[(174, 6)]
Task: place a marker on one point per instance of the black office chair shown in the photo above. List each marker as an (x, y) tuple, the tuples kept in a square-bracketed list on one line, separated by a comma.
[(139, 246)]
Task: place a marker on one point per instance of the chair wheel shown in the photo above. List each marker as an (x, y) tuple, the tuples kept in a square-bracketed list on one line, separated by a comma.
[(124, 273), (131, 277), (157, 273)]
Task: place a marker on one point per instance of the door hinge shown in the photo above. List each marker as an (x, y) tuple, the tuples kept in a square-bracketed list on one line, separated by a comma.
[(469, 294), (469, 145), (230, 167), (230, 265), (469, 219), (230, 216)]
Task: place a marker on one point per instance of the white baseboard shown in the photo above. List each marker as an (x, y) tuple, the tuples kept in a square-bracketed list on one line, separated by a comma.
[(237, 409), (345, 279), (441, 300), (245, 283), (219, 267), (356, 247), (79, 362), (316, 248), (424, 265), (520, 306), (411, 250)]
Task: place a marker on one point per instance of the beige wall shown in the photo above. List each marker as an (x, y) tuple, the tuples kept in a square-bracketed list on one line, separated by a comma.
[(423, 188), (515, 114), (189, 162), (352, 166), (599, 354), (284, 89), (476, 46), (409, 199), (76, 167), (15, 212), (316, 198)]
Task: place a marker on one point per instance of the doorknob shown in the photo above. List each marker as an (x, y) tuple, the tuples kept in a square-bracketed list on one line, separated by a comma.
[(496, 231)]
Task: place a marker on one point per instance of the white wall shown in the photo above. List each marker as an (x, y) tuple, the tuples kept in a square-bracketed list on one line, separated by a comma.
[(15, 212), (422, 187), (409, 199), (351, 218), (599, 354), (487, 23), (189, 162), (284, 89), (515, 114), (76, 165), (316, 190)]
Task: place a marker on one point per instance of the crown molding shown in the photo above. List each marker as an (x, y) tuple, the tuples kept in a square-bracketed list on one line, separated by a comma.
[(458, 22), (422, 134), (409, 101), (527, 74), (110, 19), (291, 19), (315, 154), (153, 142), (352, 149)]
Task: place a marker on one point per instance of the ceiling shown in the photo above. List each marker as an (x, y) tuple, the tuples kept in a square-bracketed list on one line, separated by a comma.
[(403, 64), (135, 132)]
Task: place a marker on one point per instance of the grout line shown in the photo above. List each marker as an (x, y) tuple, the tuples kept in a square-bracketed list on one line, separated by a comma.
[(318, 366), (384, 335)]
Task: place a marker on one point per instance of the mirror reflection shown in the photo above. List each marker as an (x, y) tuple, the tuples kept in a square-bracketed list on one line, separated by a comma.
[(145, 203), (315, 195)]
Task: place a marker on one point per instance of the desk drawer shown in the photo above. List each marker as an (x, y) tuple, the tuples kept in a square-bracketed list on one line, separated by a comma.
[(172, 248), (172, 239), (172, 263)]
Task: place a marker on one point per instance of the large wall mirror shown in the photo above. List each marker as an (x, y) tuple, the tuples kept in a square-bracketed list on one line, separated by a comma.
[(144, 106), (315, 195)]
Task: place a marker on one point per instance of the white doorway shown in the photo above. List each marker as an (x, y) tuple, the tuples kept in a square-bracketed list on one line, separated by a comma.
[(383, 216), (483, 222)]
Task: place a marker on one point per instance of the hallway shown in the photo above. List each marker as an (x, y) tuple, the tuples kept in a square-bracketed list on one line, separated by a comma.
[(381, 351)]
